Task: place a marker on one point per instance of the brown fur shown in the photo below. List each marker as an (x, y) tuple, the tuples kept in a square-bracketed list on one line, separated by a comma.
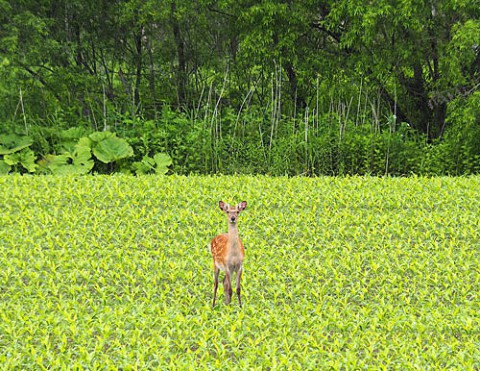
[(228, 253)]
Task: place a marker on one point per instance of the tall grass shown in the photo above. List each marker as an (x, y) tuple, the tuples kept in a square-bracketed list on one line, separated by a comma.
[(345, 129)]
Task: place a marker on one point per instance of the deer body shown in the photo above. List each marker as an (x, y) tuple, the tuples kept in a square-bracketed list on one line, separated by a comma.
[(228, 253)]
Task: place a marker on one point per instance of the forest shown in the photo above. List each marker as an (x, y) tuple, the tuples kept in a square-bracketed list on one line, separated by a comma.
[(308, 87)]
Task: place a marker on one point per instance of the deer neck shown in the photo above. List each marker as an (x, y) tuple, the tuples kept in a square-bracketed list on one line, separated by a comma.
[(233, 233)]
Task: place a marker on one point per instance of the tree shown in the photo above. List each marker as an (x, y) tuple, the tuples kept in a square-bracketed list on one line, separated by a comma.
[(405, 49), (94, 60)]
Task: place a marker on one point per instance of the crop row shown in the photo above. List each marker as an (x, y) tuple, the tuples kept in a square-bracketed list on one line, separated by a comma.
[(114, 272)]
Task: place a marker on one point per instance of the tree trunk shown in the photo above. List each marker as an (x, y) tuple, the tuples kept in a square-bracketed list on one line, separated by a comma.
[(424, 117), (296, 96), (138, 66), (151, 77), (180, 45)]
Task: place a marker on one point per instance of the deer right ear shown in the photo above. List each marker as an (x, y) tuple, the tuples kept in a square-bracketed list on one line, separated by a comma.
[(223, 205), (242, 205)]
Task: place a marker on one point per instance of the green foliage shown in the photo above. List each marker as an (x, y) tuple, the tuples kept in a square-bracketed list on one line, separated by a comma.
[(68, 62), (4, 167), (11, 143), (77, 158), (159, 164), (273, 87), (24, 158), (462, 52), (459, 151), (16, 154), (162, 161), (340, 273), (77, 162), (145, 166), (276, 87), (247, 144), (107, 147)]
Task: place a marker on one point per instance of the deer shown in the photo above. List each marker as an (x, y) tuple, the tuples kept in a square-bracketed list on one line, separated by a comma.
[(228, 253)]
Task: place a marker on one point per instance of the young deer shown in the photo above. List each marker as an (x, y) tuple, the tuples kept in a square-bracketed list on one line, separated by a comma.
[(228, 253)]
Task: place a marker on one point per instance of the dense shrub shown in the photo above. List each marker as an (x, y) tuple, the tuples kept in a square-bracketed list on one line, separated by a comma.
[(253, 143)]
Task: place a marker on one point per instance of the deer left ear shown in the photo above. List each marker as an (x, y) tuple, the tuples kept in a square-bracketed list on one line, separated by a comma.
[(223, 206), (242, 205)]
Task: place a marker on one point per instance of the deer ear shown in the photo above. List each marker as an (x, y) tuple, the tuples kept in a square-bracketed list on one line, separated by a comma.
[(223, 206), (242, 205)]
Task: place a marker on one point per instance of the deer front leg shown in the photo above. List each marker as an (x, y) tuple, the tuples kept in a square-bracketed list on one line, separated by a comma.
[(215, 283), (227, 286), (239, 276)]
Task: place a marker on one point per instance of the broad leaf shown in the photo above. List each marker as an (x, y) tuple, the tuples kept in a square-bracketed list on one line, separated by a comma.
[(82, 155), (78, 162), (99, 136), (26, 158), (4, 167), (145, 166), (73, 133), (11, 143), (53, 161), (163, 161), (84, 142), (112, 149)]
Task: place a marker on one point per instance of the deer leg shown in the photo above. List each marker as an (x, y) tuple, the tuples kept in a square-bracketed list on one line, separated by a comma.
[(239, 276), (227, 286), (215, 283)]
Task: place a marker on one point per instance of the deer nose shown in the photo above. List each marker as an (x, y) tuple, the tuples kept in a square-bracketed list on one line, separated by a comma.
[(232, 219)]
